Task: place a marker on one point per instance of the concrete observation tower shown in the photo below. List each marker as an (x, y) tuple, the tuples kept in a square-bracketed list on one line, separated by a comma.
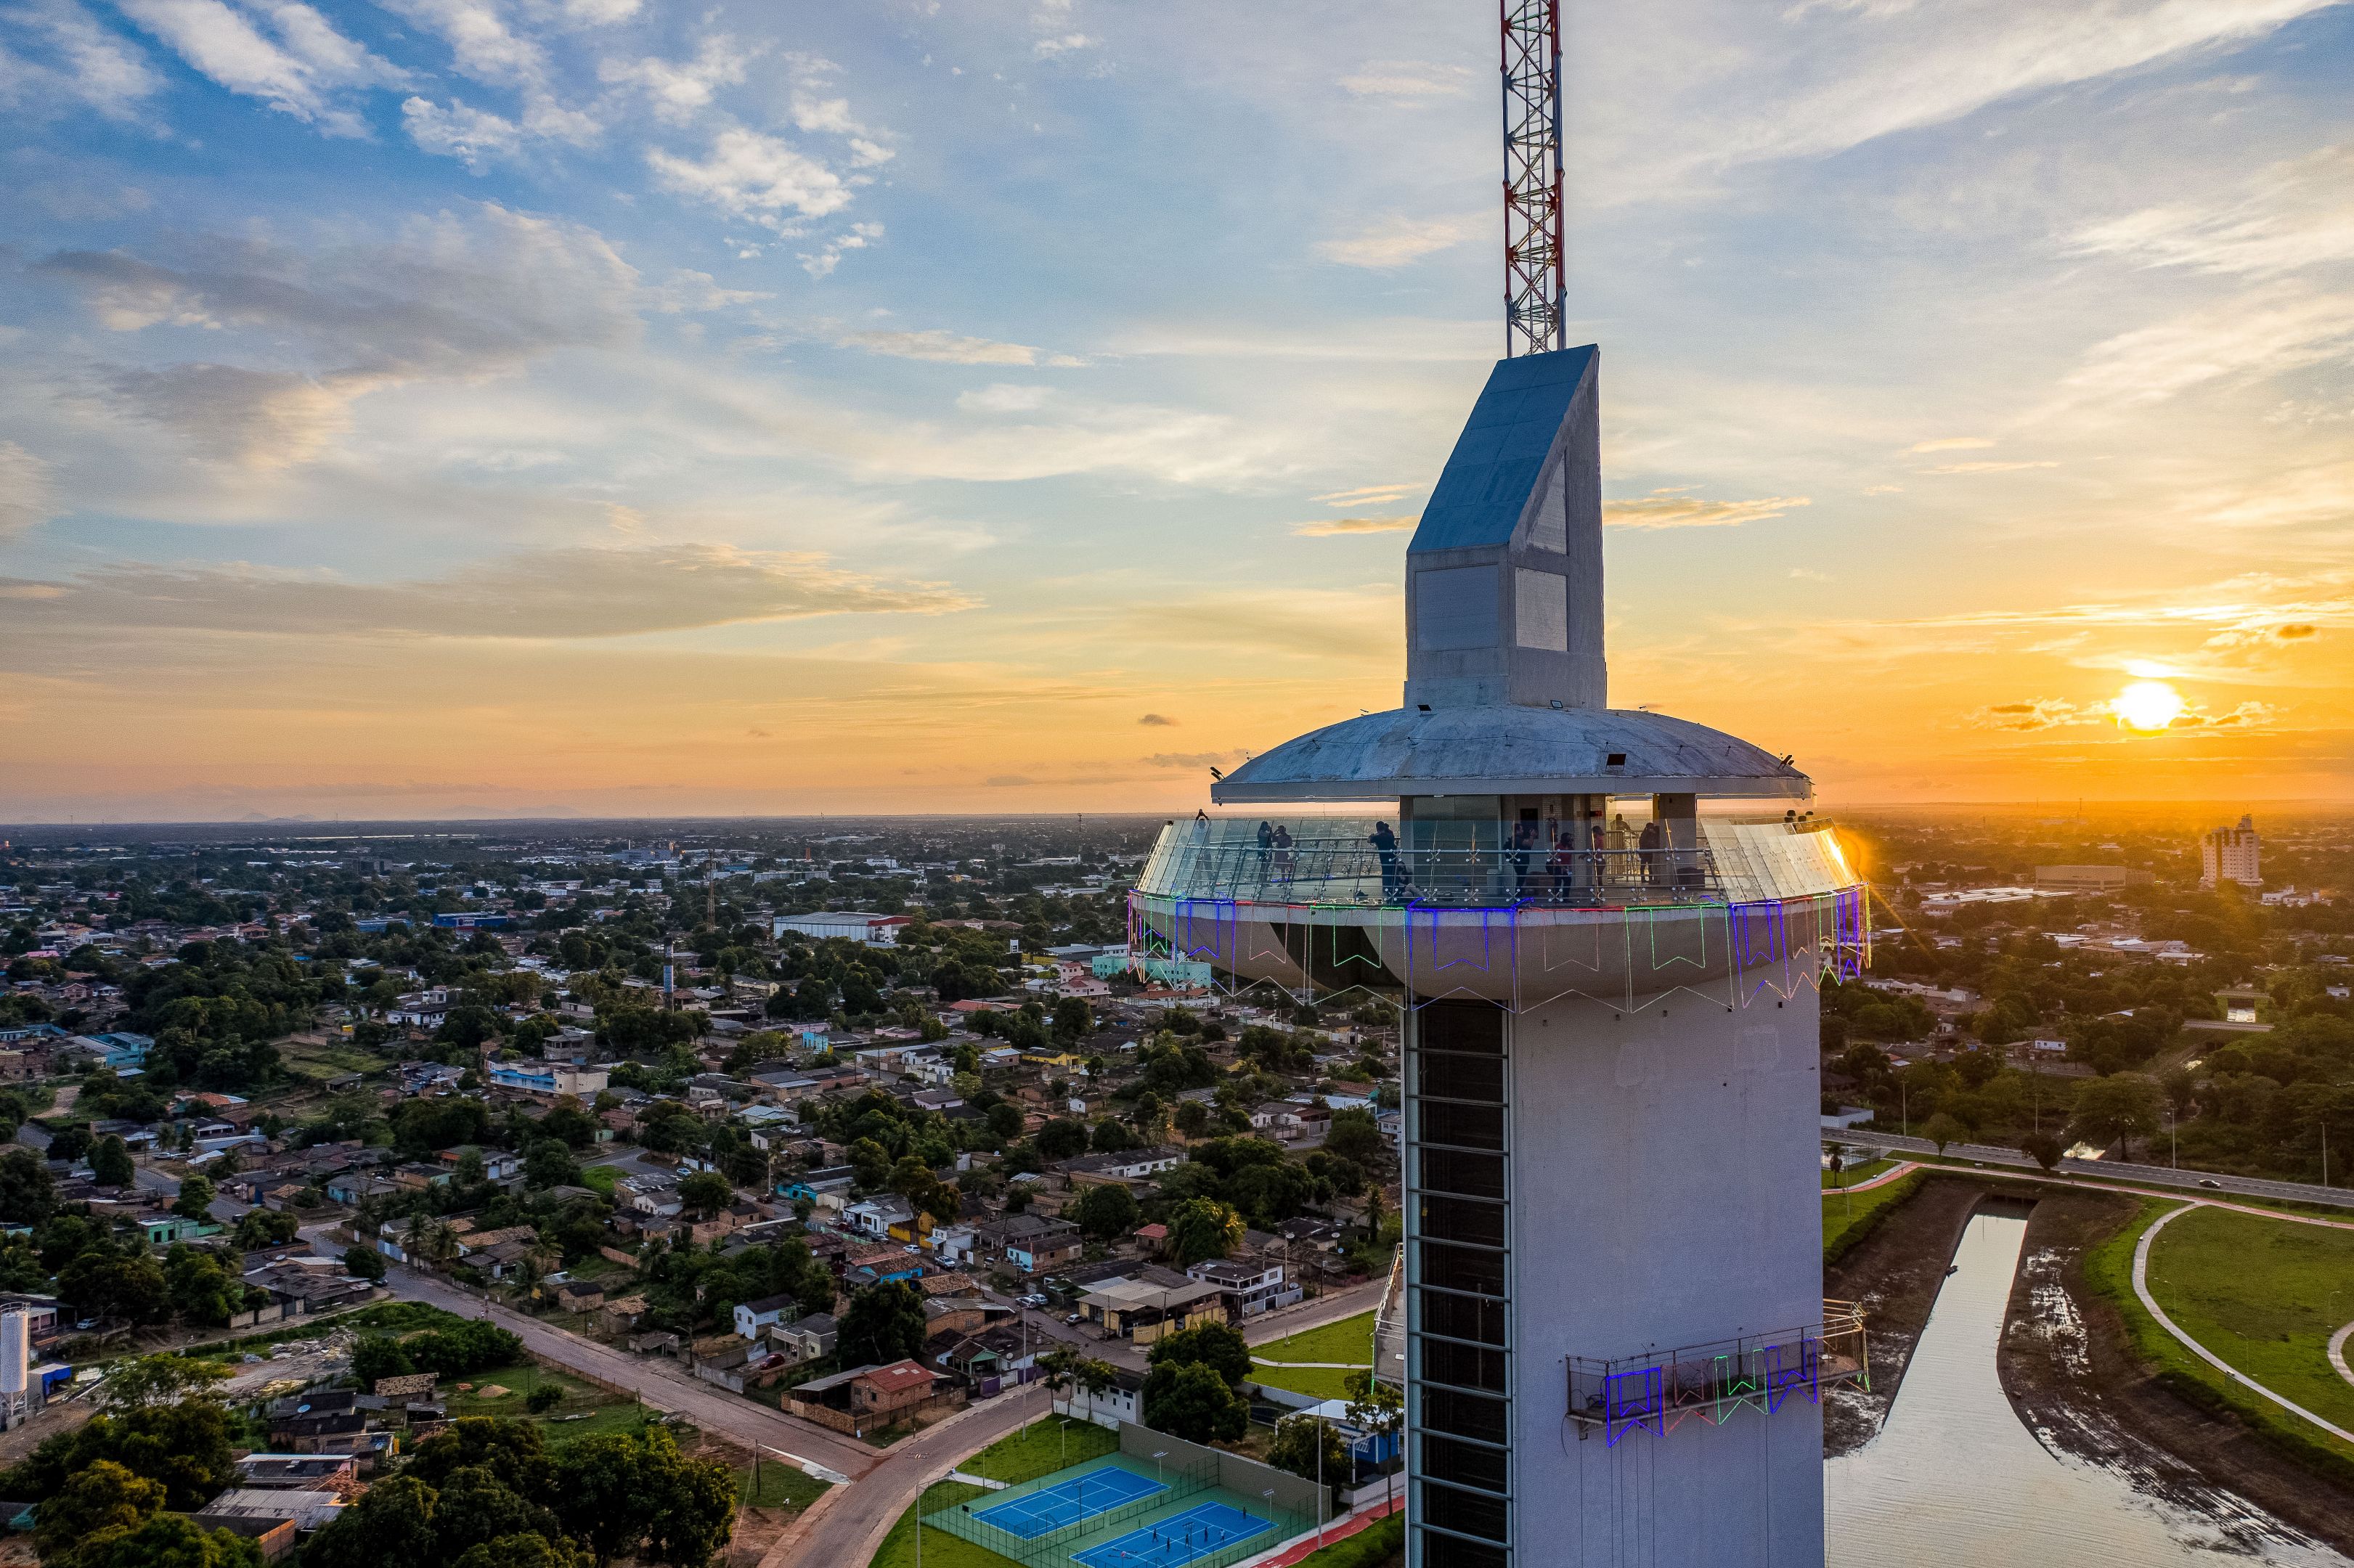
[(1604, 931)]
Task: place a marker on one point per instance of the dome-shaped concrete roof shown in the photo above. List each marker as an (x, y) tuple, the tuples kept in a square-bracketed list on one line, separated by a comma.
[(1506, 749)]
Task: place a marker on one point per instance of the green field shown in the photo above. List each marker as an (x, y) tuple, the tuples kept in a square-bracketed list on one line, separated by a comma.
[(2264, 1295), (1350, 1341), (1848, 1217), (599, 1179), (1856, 1172), (586, 1408), (2108, 1268), (1049, 1446), (329, 1061)]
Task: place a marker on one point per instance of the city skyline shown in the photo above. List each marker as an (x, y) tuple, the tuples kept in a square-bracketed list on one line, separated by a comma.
[(447, 408)]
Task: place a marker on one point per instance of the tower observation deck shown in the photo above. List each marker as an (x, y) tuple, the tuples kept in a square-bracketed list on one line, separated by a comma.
[(1603, 930)]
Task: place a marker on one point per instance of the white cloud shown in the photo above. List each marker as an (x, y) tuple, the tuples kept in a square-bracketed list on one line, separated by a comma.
[(1063, 44), (692, 291), (26, 492), (2268, 333), (452, 297), (1950, 444), (941, 347), (484, 48), (2294, 215), (822, 262), (681, 90), (755, 176), (1394, 241), (1665, 509), (1005, 397), (76, 62), (1407, 79), (459, 131), (568, 594), (294, 75), (1340, 527), (1988, 466)]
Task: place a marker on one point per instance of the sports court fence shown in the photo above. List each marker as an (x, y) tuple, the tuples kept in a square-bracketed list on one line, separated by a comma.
[(1177, 1484)]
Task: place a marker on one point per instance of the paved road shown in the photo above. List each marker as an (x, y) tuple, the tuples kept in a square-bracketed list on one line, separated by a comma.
[(2115, 1169), (853, 1525), (659, 1382)]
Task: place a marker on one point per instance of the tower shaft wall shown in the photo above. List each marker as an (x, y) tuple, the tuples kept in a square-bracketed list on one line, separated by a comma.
[(1661, 1188)]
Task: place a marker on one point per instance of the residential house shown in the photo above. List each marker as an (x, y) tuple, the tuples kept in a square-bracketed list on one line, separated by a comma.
[(1246, 1286), (806, 1340), (870, 1398), (1111, 1406), (1120, 1166), (1034, 1243), (752, 1317), (1152, 1302)]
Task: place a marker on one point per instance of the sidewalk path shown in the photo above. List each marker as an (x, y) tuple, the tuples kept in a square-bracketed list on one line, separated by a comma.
[(2150, 1304)]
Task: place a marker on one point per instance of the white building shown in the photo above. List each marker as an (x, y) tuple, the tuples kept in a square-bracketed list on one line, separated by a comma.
[(881, 930), (2231, 854)]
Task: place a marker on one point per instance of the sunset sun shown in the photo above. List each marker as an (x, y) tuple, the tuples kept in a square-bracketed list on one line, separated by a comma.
[(2148, 705)]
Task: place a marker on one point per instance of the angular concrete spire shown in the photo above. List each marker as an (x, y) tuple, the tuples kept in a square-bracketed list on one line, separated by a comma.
[(1503, 579)]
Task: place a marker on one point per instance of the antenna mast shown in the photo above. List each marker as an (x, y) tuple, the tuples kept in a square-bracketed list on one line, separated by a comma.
[(1535, 287)]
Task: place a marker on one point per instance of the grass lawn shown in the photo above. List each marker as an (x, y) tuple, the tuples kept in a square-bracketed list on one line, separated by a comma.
[(1349, 1341), (2264, 1295), (1049, 1446), (1862, 1170), (329, 1061), (586, 1408), (1846, 1213), (2108, 1268), (781, 1486), (599, 1177)]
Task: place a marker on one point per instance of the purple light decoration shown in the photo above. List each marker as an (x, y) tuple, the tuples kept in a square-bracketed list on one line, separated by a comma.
[(1439, 923), (1633, 1401), (1793, 1367)]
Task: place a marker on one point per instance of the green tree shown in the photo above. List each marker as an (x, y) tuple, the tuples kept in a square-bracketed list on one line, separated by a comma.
[(163, 1380), (472, 1507), (259, 1228), (364, 1262), (183, 1446), (166, 1540), (28, 1192), (706, 1193), (102, 1498), (2119, 1108), (1309, 1448), (110, 1163), (1107, 1211), (1203, 1229), (1355, 1136), (527, 1551), (884, 1323), (195, 1198), (204, 1290), (1194, 1402), (1942, 1129), (2044, 1149), (390, 1527), (1065, 1138), (1217, 1346)]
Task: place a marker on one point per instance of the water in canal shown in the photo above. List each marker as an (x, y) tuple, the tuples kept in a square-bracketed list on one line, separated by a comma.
[(1955, 1477)]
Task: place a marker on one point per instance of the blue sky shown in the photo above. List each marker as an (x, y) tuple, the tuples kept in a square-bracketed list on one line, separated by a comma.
[(509, 406)]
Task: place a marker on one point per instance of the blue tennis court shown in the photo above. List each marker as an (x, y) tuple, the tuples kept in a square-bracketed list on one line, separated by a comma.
[(1066, 1502), (1181, 1539)]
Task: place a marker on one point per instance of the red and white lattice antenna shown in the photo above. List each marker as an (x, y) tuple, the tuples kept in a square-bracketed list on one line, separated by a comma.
[(1535, 286)]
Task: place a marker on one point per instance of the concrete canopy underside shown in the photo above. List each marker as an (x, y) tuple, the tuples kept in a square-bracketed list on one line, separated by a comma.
[(1503, 748)]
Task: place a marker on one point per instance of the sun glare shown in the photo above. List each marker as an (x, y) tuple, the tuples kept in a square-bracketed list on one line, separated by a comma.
[(2148, 705)]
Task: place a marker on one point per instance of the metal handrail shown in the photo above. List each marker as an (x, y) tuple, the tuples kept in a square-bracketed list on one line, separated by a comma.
[(1358, 871)]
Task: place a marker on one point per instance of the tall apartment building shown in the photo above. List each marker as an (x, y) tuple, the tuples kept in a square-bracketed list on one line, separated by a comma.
[(2231, 854)]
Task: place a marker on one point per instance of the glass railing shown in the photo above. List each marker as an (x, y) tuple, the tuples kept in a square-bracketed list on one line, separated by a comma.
[(1338, 861)]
